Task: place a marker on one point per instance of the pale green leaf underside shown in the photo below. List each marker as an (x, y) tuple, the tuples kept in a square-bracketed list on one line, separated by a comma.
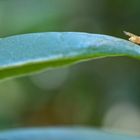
[(23, 54), (62, 134)]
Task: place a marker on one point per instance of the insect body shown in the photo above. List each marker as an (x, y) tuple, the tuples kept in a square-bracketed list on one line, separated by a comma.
[(133, 38)]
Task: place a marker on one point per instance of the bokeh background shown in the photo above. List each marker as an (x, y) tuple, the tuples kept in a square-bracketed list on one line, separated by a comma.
[(102, 93)]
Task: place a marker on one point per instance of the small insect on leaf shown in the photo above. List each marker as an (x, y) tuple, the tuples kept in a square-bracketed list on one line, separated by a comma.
[(133, 38)]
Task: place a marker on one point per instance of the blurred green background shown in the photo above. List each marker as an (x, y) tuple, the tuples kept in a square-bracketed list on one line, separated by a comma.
[(102, 93)]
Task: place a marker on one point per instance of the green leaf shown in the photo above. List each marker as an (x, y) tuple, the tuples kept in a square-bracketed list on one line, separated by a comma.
[(30, 53), (61, 134)]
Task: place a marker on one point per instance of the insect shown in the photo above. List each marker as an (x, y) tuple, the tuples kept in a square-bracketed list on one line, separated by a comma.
[(133, 38)]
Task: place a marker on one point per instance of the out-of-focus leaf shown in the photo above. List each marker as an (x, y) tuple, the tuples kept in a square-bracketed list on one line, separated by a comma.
[(61, 134), (29, 53)]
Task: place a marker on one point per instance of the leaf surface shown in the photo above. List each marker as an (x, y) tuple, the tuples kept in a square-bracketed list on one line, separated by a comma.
[(61, 133), (24, 54)]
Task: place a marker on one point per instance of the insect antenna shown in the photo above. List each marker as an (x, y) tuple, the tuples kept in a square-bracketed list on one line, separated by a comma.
[(128, 34)]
